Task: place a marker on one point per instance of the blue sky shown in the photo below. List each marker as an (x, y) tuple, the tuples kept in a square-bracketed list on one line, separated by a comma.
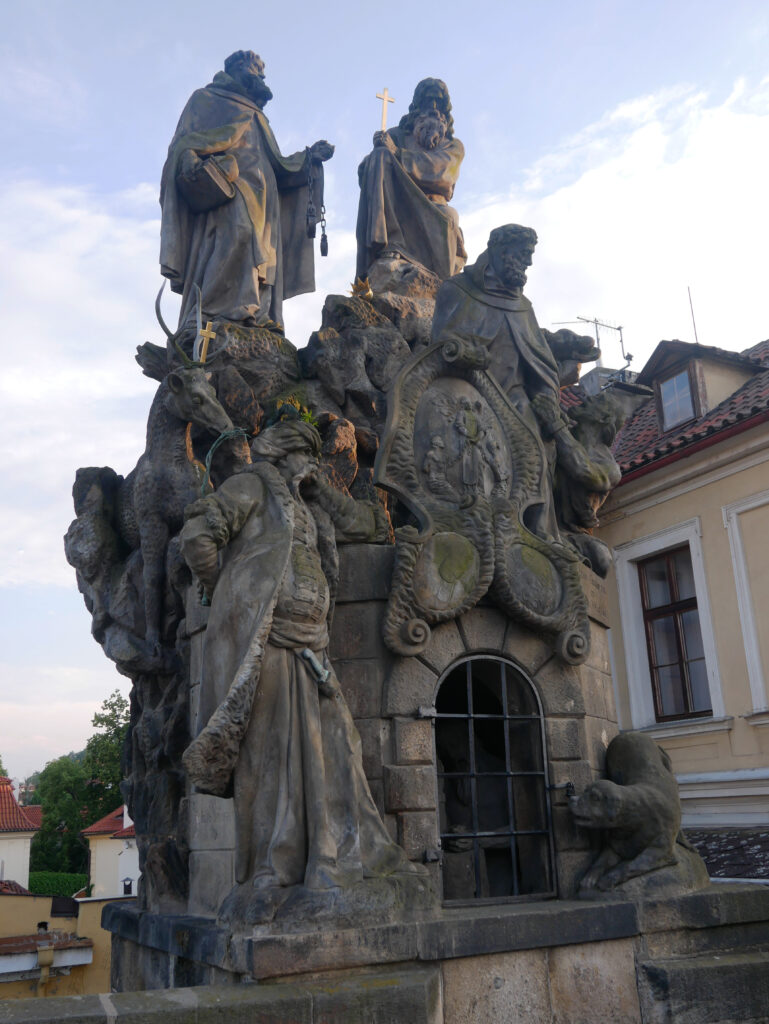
[(633, 137)]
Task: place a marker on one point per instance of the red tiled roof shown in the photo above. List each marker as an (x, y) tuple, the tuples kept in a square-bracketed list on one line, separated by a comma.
[(12, 817), (106, 826), (34, 812), (129, 832), (641, 442), (10, 888), (14, 944)]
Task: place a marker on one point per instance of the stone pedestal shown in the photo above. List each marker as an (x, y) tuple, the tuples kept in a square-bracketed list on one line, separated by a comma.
[(700, 957)]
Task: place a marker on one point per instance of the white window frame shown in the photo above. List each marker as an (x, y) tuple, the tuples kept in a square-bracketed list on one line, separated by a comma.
[(639, 681), (731, 514)]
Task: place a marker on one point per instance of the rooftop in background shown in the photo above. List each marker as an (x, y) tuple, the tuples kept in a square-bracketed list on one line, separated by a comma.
[(34, 812), (106, 826), (12, 815), (10, 888), (733, 852), (642, 441)]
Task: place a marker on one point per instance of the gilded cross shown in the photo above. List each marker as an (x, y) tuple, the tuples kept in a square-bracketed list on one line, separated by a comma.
[(386, 98), (206, 336)]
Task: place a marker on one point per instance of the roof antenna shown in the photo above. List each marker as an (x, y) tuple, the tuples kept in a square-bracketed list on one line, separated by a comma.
[(691, 307)]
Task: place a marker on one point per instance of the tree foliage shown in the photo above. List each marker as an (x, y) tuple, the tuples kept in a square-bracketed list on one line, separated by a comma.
[(103, 755), (64, 794), (78, 789), (3, 772)]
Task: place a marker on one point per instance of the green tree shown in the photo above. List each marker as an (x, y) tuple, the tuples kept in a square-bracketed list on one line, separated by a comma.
[(64, 793), (3, 772), (78, 789), (103, 755)]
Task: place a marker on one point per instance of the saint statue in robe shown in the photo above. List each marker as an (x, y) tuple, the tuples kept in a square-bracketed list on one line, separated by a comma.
[(234, 209), (407, 182), (276, 725)]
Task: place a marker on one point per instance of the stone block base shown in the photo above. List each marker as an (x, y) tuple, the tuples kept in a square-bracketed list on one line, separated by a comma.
[(697, 958)]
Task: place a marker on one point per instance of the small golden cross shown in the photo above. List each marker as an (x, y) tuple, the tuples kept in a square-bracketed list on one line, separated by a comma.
[(386, 98), (207, 335)]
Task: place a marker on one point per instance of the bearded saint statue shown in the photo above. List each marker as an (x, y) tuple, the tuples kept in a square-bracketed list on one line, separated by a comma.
[(406, 184)]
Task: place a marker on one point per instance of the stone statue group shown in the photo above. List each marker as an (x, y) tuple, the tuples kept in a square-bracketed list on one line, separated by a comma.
[(294, 476)]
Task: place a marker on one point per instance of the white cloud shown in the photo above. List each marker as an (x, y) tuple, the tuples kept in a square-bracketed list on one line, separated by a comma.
[(674, 199)]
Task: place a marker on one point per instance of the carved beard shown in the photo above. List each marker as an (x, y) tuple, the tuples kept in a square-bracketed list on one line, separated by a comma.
[(429, 132), (511, 272), (255, 88)]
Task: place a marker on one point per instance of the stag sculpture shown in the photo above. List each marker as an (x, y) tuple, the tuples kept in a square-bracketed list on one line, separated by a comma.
[(153, 496)]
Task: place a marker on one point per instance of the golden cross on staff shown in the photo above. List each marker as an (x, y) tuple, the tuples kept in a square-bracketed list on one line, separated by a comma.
[(386, 98), (206, 336)]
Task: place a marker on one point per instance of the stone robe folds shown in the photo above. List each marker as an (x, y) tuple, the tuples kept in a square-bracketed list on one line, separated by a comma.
[(474, 308), (256, 239), (404, 205), (303, 810)]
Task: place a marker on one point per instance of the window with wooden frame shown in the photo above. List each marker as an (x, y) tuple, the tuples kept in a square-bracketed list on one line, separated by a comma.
[(673, 636)]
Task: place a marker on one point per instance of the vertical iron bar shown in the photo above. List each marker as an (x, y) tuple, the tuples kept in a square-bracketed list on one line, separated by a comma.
[(509, 779), (473, 782)]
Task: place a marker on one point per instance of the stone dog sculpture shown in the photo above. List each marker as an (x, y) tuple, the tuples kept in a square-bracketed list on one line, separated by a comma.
[(639, 808)]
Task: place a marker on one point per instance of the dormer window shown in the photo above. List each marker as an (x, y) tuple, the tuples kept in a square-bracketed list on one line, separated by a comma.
[(676, 401)]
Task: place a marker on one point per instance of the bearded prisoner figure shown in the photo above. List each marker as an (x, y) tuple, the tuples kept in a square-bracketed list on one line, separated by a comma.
[(407, 182), (276, 723)]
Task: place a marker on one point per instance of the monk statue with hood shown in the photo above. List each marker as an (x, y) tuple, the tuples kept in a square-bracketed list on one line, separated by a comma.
[(275, 722), (237, 215)]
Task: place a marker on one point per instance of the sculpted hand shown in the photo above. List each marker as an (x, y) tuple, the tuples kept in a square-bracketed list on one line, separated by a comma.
[(385, 140), (321, 150), (548, 412)]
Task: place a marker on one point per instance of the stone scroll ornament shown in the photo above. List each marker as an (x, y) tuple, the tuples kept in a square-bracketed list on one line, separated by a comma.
[(473, 473)]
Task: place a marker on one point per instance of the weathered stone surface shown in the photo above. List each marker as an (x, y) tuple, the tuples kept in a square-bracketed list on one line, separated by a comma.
[(212, 875), (567, 835), (598, 692), (596, 592), (375, 739), (501, 987), (460, 932), (594, 983), (565, 739), (410, 685), (598, 734), (445, 646), (365, 571), (375, 997), (527, 648), (409, 788), (417, 832), (572, 865), (362, 681), (578, 773), (210, 823), (484, 630), (357, 631), (598, 658), (727, 988), (413, 741), (559, 688)]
